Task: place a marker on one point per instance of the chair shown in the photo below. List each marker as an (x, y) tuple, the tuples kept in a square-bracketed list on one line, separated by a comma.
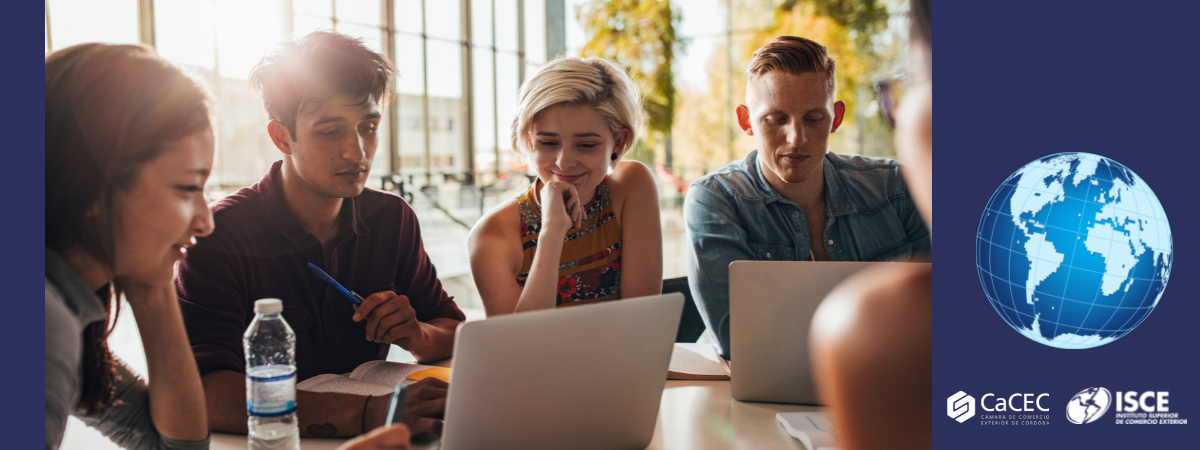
[(691, 325)]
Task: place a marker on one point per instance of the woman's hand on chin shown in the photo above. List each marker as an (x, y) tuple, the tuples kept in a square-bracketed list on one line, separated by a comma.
[(143, 294), (561, 209)]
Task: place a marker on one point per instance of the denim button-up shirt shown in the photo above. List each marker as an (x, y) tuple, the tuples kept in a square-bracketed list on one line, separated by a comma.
[(734, 215)]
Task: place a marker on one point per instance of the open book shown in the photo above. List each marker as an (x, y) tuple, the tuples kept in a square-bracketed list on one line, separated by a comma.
[(374, 378), (697, 362)]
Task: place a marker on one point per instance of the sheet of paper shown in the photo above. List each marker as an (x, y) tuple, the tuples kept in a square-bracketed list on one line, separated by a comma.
[(815, 429), (696, 359)]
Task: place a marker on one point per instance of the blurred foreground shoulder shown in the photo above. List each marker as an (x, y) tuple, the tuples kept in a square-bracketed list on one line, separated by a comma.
[(878, 301), (872, 350)]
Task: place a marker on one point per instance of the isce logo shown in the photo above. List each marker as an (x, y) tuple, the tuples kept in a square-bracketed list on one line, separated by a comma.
[(960, 406), (1088, 405)]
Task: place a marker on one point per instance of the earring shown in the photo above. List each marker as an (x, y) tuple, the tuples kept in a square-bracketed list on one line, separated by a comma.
[(615, 156)]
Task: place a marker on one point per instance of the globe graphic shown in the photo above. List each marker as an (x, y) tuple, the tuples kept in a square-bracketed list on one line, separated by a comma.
[(1088, 405), (1074, 250)]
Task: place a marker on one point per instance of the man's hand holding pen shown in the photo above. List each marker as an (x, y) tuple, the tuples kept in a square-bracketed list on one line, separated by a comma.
[(391, 319)]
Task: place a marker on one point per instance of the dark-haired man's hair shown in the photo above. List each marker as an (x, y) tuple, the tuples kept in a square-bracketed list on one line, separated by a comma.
[(794, 55), (306, 71)]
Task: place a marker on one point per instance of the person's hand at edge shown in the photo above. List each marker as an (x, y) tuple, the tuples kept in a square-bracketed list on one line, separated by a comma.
[(426, 406)]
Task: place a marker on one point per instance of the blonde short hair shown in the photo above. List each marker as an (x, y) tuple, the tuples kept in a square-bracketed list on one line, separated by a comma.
[(592, 82)]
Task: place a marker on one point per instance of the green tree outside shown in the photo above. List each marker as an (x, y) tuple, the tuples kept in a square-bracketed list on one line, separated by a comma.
[(865, 37), (640, 35)]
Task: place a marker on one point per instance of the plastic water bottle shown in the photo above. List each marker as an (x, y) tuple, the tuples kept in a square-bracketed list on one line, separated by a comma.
[(270, 347)]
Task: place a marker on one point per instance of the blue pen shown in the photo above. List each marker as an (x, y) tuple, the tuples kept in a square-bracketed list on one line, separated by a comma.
[(395, 408), (324, 276)]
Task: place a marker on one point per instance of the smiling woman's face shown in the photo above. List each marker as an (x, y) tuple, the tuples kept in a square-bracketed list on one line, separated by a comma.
[(164, 211), (573, 144)]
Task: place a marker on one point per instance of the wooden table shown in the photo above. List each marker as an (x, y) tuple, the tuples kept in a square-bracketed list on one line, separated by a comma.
[(694, 415)]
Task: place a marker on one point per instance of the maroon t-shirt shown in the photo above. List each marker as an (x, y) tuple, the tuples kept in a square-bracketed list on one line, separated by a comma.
[(260, 250)]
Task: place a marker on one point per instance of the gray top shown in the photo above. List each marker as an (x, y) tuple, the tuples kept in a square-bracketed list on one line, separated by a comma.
[(71, 306)]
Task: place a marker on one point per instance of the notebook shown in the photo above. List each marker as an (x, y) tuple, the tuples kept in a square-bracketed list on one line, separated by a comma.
[(373, 378)]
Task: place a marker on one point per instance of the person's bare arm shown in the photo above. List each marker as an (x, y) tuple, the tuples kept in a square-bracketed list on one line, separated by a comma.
[(561, 210), (496, 257), (437, 340), (176, 395), (641, 230), (325, 414)]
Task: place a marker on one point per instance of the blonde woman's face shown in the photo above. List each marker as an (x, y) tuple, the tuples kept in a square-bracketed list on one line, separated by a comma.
[(573, 144)]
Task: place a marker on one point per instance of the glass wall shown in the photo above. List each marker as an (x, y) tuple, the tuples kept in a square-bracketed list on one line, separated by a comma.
[(459, 65), (71, 22)]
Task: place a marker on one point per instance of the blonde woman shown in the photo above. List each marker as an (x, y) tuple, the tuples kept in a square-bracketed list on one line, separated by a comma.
[(588, 229)]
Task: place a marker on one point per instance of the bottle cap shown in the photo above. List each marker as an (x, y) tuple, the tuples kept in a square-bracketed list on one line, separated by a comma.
[(268, 306)]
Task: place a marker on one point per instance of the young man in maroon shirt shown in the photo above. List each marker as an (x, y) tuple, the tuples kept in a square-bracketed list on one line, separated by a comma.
[(323, 93)]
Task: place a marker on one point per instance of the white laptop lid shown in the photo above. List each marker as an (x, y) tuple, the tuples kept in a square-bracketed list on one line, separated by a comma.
[(771, 305), (581, 377)]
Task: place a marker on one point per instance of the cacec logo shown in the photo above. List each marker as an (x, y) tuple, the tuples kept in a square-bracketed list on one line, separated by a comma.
[(960, 406)]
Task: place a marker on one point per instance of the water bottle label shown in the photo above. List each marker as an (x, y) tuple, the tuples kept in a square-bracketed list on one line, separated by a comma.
[(271, 390)]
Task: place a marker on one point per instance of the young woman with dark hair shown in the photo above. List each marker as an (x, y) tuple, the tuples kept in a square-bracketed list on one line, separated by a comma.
[(129, 146)]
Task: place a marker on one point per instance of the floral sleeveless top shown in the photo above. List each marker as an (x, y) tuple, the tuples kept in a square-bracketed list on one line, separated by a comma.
[(589, 269)]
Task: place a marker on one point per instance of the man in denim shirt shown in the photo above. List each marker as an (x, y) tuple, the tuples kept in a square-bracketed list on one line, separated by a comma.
[(790, 200)]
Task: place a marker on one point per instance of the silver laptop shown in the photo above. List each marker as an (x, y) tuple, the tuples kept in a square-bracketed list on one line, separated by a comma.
[(771, 305), (581, 377)]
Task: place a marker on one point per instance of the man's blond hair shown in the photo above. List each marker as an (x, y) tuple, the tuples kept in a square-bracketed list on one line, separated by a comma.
[(794, 55)]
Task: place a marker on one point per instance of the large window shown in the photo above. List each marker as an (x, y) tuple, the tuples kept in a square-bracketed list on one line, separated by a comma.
[(460, 65), (71, 22)]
